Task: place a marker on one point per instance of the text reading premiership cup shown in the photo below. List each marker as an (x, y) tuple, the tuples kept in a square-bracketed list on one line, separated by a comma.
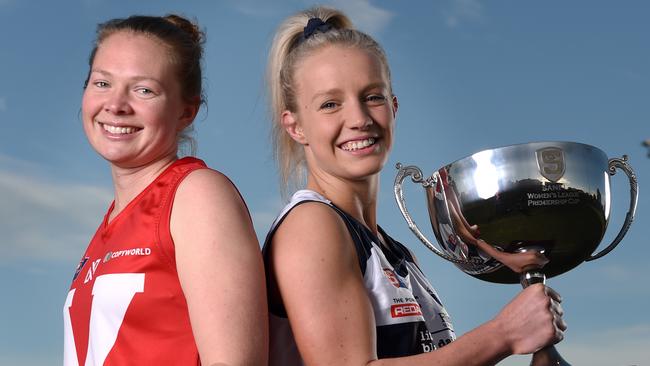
[(552, 197)]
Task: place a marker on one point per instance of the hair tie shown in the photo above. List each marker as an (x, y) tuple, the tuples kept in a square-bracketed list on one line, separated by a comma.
[(315, 25)]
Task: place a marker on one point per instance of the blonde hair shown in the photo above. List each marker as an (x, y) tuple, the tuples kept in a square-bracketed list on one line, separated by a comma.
[(289, 47)]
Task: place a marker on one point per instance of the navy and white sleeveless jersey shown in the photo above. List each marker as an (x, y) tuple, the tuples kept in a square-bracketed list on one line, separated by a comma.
[(409, 315)]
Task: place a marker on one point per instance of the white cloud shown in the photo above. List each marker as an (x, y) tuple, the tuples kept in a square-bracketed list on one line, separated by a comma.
[(620, 279), (255, 8), (620, 272), (463, 11), (27, 358), (3, 101), (45, 219), (623, 346), (364, 15)]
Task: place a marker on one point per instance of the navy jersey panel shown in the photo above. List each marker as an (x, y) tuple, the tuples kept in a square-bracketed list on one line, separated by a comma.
[(409, 316)]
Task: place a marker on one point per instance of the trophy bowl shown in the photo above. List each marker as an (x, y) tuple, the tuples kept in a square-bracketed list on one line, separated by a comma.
[(553, 197)]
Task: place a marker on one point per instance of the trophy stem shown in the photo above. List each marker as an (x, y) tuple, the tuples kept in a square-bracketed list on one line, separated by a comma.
[(547, 356)]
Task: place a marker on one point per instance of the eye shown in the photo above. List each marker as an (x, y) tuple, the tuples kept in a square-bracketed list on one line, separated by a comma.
[(376, 99), (145, 92), (328, 105), (101, 84)]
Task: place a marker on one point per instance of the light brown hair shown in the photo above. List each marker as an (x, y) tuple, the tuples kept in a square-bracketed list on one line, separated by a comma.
[(185, 41)]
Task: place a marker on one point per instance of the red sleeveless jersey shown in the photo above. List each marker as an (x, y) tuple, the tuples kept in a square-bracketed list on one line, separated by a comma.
[(126, 305)]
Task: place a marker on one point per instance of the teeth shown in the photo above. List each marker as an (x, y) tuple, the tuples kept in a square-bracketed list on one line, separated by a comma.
[(356, 145), (119, 130)]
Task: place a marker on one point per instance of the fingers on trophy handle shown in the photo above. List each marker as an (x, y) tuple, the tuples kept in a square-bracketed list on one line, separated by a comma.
[(622, 164), (549, 355)]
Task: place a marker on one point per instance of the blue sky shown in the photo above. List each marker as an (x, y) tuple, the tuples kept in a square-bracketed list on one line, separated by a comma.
[(469, 75)]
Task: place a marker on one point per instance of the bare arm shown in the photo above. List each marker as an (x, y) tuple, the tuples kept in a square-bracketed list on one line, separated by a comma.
[(220, 269), (318, 276), (319, 279)]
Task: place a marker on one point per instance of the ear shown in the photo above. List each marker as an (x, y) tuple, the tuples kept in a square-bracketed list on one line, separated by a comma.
[(395, 105), (190, 110), (291, 125)]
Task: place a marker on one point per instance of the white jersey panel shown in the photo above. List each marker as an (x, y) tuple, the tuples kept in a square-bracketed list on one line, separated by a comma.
[(409, 315)]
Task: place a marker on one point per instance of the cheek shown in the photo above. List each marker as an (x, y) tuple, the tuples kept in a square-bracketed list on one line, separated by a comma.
[(323, 136), (164, 124), (86, 117), (88, 107), (389, 130)]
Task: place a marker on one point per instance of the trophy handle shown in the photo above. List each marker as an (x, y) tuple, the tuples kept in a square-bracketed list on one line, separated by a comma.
[(634, 197), (416, 176), (547, 356)]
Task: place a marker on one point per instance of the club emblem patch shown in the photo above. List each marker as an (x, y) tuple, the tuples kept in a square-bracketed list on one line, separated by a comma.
[(81, 265)]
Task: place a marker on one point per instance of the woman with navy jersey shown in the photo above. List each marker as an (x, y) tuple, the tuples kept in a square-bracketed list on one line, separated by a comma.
[(174, 274), (341, 290)]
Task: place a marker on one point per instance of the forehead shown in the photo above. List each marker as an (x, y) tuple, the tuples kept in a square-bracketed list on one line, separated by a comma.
[(127, 48), (338, 66)]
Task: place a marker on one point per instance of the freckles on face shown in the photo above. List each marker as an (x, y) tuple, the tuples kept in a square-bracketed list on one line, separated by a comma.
[(132, 105)]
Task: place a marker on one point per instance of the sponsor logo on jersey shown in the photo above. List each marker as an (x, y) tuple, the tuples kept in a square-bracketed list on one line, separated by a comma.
[(126, 252), (81, 265), (393, 278), (444, 319), (433, 295), (91, 271), (402, 310)]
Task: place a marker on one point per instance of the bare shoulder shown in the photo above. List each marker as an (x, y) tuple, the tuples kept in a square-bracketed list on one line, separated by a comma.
[(313, 231), (207, 181), (207, 203), (207, 189), (310, 222)]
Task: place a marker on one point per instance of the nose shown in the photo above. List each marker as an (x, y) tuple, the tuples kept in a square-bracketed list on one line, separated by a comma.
[(358, 116), (118, 102)]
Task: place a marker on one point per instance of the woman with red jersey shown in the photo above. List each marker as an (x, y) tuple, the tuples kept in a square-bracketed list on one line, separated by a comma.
[(341, 290), (173, 275)]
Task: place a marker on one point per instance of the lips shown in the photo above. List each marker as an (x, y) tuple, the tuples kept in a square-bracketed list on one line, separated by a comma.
[(358, 144), (119, 130)]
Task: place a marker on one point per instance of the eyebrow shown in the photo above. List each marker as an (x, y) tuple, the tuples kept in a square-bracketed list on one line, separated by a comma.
[(325, 93), (135, 78), (319, 94)]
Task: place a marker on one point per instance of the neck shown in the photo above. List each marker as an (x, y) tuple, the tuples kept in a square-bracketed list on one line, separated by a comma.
[(357, 198), (128, 182)]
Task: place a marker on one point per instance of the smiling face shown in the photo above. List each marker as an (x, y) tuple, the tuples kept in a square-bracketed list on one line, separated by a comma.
[(132, 107), (344, 113)]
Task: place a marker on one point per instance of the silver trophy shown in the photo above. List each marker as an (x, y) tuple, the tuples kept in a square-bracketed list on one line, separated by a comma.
[(550, 197)]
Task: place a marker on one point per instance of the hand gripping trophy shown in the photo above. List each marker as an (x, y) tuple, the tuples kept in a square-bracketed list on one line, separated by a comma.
[(551, 198)]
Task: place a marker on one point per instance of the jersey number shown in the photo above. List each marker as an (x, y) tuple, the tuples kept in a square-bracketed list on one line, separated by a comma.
[(112, 294)]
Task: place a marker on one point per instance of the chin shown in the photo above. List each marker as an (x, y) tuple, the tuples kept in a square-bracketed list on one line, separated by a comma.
[(368, 172), (117, 157)]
